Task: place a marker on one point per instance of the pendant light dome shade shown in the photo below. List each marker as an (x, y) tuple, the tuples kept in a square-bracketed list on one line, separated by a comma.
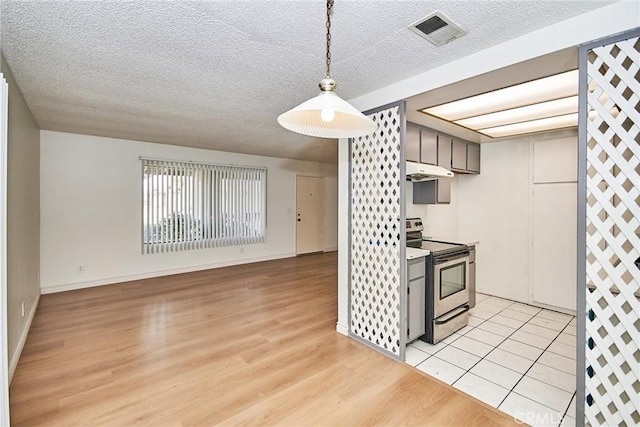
[(327, 116)]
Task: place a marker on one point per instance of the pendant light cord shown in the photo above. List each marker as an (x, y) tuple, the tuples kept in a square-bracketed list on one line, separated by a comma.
[(329, 13)]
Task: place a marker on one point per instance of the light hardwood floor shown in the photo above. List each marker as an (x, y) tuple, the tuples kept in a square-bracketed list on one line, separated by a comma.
[(245, 345)]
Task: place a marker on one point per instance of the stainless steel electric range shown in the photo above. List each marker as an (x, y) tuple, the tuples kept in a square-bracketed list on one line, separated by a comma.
[(446, 286)]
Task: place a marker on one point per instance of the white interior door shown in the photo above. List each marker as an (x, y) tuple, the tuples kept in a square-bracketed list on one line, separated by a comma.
[(309, 214)]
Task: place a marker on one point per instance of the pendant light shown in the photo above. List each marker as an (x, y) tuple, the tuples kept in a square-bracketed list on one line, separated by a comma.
[(327, 115)]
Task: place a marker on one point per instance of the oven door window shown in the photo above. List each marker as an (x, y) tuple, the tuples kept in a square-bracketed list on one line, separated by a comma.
[(452, 279)]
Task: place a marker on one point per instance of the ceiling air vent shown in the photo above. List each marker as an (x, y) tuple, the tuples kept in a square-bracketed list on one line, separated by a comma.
[(437, 29)]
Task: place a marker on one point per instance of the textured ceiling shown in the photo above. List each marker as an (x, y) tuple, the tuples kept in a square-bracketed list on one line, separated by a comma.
[(217, 74)]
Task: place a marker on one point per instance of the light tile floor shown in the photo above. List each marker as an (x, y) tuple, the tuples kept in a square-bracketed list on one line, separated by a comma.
[(512, 356)]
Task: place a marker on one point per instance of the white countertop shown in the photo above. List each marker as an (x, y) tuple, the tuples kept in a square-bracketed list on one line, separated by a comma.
[(413, 253), (468, 242)]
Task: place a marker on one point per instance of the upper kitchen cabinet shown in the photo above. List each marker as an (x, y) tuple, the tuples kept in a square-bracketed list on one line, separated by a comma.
[(465, 156), (412, 144), (426, 145), (421, 145)]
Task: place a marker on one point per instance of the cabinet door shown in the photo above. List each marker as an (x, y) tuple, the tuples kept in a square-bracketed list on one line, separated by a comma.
[(432, 192), (473, 157), (554, 244), (415, 303), (428, 147), (412, 144), (443, 187), (444, 151), (459, 155), (555, 160)]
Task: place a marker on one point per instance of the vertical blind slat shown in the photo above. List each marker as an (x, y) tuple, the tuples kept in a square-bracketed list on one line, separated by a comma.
[(163, 203), (198, 183), (200, 207), (155, 206), (225, 197), (183, 202), (251, 206), (210, 204), (246, 217), (254, 200), (241, 209), (207, 205), (263, 202), (236, 207), (156, 230), (150, 207), (145, 223), (176, 196), (154, 219), (174, 209), (216, 212), (189, 217), (237, 180), (254, 208), (145, 207), (254, 196), (220, 218), (193, 228)]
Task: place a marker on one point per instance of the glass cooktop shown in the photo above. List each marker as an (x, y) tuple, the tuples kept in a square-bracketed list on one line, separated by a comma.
[(440, 247)]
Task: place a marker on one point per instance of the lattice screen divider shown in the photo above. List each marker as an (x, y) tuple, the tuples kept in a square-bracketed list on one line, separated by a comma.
[(610, 209), (377, 266)]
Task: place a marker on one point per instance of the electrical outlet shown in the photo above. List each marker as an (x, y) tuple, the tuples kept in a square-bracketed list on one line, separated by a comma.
[(241, 250), (80, 269), (22, 306)]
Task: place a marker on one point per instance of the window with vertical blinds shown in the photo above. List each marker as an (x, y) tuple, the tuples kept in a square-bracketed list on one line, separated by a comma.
[(194, 206)]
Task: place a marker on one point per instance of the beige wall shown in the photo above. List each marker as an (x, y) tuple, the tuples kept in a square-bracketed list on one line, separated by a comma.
[(512, 207), (91, 192), (23, 218)]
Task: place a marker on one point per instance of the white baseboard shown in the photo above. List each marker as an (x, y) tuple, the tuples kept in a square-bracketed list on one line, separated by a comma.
[(342, 329), (15, 357), (141, 276), (331, 249), (531, 303)]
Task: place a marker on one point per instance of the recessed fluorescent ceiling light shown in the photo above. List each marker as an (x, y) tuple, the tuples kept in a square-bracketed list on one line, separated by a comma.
[(533, 126), (557, 107), (554, 96)]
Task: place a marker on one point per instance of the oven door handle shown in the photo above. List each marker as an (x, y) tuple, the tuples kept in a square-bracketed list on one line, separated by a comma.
[(446, 258), (447, 320)]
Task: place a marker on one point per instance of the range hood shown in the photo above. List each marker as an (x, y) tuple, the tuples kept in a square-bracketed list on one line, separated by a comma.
[(424, 172)]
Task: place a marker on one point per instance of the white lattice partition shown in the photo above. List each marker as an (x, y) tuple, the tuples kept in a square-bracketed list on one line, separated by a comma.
[(612, 199), (376, 228)]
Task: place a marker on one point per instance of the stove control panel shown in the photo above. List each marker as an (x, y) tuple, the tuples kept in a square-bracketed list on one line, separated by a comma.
[(414, 224)]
